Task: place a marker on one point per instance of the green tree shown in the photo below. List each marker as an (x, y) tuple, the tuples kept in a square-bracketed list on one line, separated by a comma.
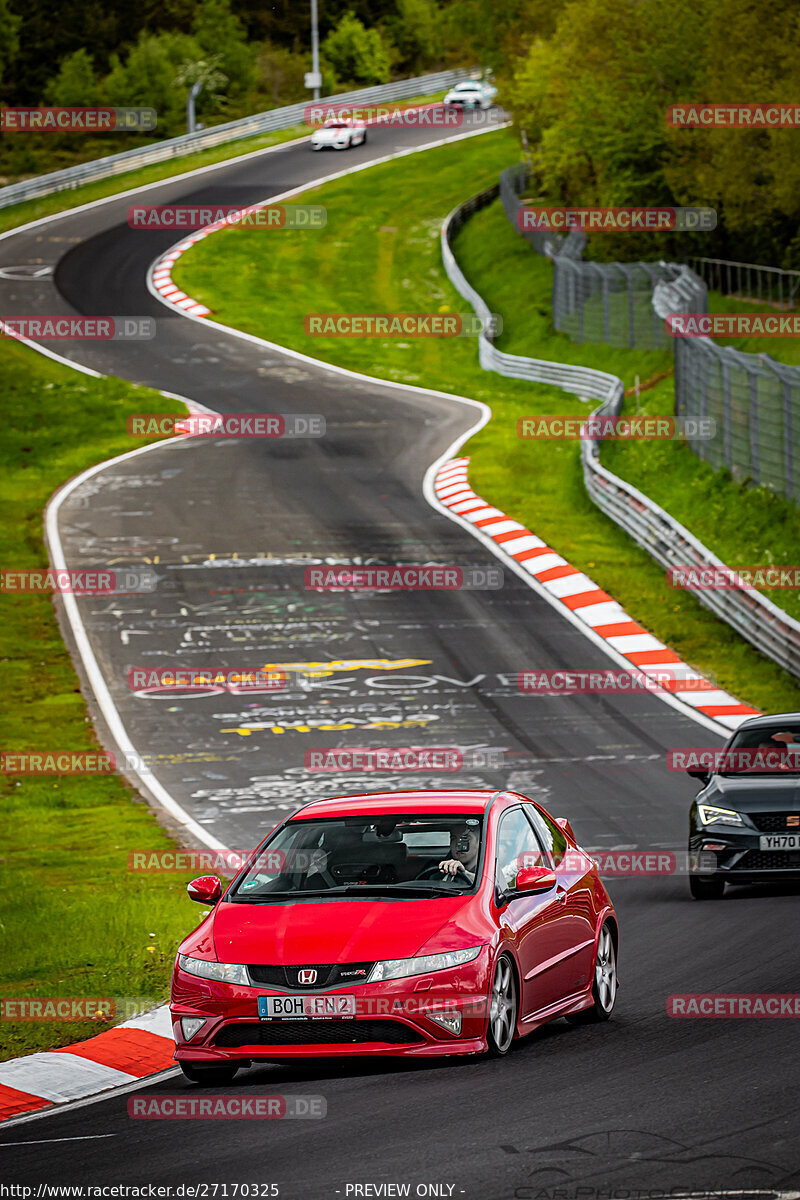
[(220, 33), (146, 77), (9, 36), (357, 54), (414, 33), (594, 97), (76, 82)]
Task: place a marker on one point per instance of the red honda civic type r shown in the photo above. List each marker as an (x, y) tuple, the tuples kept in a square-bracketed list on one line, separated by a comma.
[(405, 923)]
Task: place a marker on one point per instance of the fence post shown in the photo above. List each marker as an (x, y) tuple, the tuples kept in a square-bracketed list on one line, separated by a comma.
[(788, 456), (726, 419), (755, 456)]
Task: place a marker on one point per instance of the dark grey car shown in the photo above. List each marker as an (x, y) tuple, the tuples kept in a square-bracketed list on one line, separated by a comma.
[(744, 826)]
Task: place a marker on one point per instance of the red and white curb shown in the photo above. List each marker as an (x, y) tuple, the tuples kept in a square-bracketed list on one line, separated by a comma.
[(129, 1052), (585, 600), (163, 283)]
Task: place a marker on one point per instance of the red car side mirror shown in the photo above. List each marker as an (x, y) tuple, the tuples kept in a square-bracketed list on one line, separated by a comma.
[(205, 890), (565, 825), (535, 879)]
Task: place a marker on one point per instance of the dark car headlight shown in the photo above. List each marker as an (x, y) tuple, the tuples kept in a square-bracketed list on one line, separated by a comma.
[(712, 814)]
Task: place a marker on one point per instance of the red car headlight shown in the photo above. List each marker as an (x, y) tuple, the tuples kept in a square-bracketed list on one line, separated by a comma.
[(422, 964), (221, 972)]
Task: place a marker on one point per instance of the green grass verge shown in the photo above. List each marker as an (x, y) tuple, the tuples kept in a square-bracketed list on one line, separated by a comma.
[(74, 920), (380, 252), (44, 206)]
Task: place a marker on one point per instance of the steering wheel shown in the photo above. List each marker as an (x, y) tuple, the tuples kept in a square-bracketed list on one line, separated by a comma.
[(434, 869)]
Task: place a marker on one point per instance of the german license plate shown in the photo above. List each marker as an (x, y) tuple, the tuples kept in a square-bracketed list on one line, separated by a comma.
[(300, 1004), (779, 841)]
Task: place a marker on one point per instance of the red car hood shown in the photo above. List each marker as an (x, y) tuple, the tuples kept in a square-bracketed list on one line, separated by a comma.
[(350, 931)]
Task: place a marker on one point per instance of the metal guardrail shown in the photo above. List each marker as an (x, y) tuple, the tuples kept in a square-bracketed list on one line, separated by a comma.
[(245, 127), (756, 618), (582, 381)]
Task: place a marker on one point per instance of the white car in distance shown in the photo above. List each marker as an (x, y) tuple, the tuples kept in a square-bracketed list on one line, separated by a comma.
[(471, 94), (339, 134)]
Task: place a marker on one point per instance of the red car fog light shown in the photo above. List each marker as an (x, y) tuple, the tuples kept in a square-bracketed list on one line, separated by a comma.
[(190, 1026), (449, 1020)]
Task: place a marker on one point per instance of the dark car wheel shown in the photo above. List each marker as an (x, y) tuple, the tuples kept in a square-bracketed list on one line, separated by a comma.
[(503, 1005), (210, 1076), (706, 889), (604, 986)]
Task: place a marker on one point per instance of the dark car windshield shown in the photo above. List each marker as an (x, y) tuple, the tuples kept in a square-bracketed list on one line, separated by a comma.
[(389, 855), (764, 750)]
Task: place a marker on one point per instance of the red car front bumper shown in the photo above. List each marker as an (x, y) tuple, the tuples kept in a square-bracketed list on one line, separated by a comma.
[(392, 1018)]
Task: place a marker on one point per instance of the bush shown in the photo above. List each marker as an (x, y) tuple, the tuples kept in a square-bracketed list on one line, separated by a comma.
[(356, 54)]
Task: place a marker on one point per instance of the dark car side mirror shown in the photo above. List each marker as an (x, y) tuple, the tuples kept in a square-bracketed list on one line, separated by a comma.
[(699, 773), (205, 890), (532, 880)]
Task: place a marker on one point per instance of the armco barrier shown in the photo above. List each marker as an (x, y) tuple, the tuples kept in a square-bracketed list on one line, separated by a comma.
[(245, 127), (757, 619), (582, 381)]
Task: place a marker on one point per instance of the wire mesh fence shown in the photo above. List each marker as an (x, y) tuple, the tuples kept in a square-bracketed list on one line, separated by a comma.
[(754, 400), (749, 281)]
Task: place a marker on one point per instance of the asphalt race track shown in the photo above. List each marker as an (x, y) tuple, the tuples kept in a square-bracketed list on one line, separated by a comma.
[(640, 1105)]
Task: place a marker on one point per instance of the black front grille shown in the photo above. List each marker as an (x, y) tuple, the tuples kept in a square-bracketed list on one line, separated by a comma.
[(773, 822), (316, 1033), (769, 860), (328, 975)]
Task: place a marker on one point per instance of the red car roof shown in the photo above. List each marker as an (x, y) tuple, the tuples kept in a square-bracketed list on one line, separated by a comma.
[(456, 801)]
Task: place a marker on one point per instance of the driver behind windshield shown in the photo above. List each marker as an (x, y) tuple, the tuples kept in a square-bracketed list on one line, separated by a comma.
[(464, 849)]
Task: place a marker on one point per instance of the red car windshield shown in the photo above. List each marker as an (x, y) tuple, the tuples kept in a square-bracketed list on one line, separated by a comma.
[(374, 853)]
